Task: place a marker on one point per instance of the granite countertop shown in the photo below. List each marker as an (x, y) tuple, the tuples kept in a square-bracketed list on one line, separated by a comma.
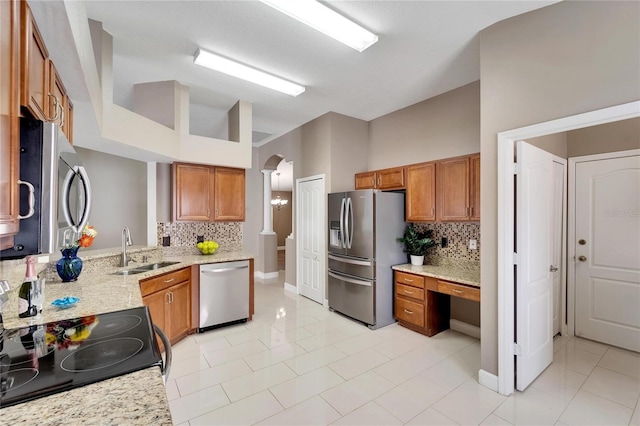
[(463, 272), (109, 401)]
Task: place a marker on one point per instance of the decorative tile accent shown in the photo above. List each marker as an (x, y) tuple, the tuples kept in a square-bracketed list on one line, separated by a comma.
[(458, 235), (184, 234)]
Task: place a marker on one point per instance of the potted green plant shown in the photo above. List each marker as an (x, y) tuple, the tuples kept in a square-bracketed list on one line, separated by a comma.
[(416, 243)]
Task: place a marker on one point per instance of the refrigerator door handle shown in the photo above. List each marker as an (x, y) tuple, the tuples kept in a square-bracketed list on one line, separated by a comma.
[(349, 280), (350, 261), (350, 222), (342, 235)]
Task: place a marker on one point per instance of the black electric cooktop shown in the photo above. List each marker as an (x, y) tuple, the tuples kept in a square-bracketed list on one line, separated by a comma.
[(41, 360)]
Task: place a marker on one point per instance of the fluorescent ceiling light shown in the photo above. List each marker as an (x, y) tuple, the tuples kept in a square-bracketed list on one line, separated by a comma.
[(235, 69), (325, 20)]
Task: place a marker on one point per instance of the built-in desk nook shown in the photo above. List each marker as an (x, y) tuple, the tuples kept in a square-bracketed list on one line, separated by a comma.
[(422, 294)]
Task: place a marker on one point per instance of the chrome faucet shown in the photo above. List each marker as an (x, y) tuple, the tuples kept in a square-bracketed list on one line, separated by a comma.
[(126, 241)]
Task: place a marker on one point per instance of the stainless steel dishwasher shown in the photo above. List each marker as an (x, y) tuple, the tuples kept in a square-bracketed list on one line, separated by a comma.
[(224, 293)]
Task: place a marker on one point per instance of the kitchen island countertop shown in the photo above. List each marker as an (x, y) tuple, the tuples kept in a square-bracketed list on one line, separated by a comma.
[(134, 398)]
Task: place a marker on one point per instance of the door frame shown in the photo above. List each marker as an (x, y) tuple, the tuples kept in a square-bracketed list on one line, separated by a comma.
[(564, 309), (323, 238), (506, 232), (571, 230)]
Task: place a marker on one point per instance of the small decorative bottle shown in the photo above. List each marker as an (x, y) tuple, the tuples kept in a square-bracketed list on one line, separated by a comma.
[(27, 306)]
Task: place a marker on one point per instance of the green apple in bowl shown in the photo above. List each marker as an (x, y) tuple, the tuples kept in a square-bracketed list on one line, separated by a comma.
[(207, 246)]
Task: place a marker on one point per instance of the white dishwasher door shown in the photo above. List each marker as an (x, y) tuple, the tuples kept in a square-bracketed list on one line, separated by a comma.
[(224, 293)]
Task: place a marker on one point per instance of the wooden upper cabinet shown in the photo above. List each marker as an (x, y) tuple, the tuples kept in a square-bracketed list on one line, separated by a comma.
[(366, 180), (192, 192), (458, 189), (34, 80), (386, 179), (474, 196), (207, 193), (421, 192), (229, 194), (9, 124), (60, 108)]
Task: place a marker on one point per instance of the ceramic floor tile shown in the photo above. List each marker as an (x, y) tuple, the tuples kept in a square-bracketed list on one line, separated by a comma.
[(244, 412), (635, 420), (614, 386), (211, 376), (257, 381), (400, 345), (314, 411), (310, 361), (411, 398), (533, 407), (457, 369), (232, 353), (559, 382), (255, 333), (187, 366), (356, 392), (279, 338), (218, 333), (469, 404), (493, 420), (409, 365), (358, 363), (588, 345), (273, 356), (589, 409), (370, 414), (291, 323), (359, 343), (560, 341), (431, 417), (323, 339), (304, 387), (575, 359), (172, 390), (189, 348), (190, 406), (622, 361)]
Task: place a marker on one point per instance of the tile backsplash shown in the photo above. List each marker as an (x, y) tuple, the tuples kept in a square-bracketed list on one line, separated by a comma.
[(458, 235), (184, 234)]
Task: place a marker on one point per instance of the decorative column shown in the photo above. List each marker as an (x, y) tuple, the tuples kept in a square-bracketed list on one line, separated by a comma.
[(267, 226)]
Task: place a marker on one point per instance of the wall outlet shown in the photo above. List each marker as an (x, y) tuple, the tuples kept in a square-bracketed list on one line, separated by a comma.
[(473, 244), (166, 241), (199, 238), (444, 242)]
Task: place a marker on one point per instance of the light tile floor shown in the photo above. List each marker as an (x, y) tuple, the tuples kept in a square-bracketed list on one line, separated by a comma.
[(297, 363)]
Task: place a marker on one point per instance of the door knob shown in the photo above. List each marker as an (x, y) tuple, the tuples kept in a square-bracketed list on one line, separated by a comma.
[(582, 258), (553, 268)]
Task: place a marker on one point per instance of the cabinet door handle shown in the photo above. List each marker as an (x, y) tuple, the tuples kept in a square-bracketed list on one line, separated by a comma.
[(168, 295), (379, 181), (373, 181), (408, 292), (170, 280), (471, 211), (408, 311)]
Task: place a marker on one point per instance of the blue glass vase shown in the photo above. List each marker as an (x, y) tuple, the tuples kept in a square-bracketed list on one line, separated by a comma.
[(70, 265)]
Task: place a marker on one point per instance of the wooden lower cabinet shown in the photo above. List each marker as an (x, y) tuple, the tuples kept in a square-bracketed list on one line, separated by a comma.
[(168, 297), (418, 305)]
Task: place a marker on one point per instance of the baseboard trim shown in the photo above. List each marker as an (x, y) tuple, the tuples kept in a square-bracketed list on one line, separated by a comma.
[(464, 328), (488, 380), (290, 287), (326, 303), (265, 275)]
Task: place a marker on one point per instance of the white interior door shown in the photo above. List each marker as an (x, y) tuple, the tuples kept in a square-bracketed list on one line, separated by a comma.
[(311, 250), (559, 185), (607, 249), (534, 280)]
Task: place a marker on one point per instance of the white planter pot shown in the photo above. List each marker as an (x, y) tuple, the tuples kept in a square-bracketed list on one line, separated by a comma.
[(417, 260)]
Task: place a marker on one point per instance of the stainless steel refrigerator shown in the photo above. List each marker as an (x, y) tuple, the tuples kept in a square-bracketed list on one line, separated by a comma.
[(363, 230)]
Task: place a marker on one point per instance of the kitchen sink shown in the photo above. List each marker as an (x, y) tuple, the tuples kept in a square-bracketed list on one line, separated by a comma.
[(143, 268), (154, 266)]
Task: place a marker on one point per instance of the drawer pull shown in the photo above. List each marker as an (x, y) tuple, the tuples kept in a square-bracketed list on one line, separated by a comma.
[(408, 280), (168, 281), (457, 291), (408, 292), (408, 312)]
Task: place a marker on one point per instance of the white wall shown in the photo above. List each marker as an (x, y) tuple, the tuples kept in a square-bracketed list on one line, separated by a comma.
[(558, 61), (119, 190)]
